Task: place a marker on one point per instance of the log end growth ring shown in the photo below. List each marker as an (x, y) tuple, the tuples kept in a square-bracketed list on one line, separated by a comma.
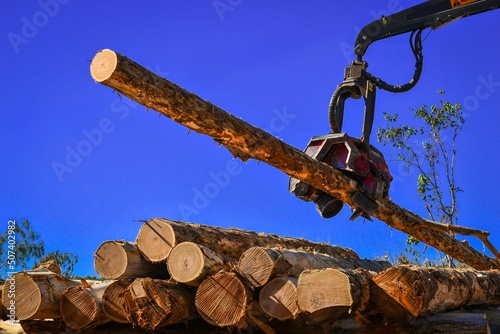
[(103, 65), (155, 240), (188, 262), (78, 307)]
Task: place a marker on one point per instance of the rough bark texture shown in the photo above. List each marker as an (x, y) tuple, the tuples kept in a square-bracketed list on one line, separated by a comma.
[(222, 300), (258, 265), (37, 294), (245, 141), (113, 301), (190, 263), (81, 306), (158, 236), (152, 303), (326, 295), (122, 260), (426, 290), (278, 298)]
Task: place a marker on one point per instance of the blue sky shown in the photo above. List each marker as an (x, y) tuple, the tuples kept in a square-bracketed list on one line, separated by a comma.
[(272, 64)]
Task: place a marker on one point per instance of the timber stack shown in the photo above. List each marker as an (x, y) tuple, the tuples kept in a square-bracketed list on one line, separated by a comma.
[(190, 278)]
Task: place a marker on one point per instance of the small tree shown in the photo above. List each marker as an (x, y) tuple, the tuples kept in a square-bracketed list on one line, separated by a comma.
[(431, 150), (20, 245)]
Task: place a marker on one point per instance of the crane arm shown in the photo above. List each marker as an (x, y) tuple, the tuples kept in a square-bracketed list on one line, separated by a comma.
[(430, 14)]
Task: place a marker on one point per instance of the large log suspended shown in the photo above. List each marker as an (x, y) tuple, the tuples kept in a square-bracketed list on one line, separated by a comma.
[(258, 265), (122, 260), (153, 303), (158, 236), (37, 294), (190, 263), (246, 141), (421, 290), (81, 306)]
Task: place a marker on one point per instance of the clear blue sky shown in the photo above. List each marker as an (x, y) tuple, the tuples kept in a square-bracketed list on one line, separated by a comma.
[(274, 64)]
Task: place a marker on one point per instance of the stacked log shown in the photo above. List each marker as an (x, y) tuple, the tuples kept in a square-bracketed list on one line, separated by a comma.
[(122, 260), (81, 306), (35, 294), (152, 303), (420, 291), (269, 287), (258, 265), (158, 236)]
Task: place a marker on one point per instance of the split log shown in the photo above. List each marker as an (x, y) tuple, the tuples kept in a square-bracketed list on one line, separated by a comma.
[(258, 265), (222, 300), (326, 295), (246, 141), (152, 303), (158, 236), (113, 301), (122, 260), (278, 298), (34, 294), (190, 263), (81, 306), (422, 290)]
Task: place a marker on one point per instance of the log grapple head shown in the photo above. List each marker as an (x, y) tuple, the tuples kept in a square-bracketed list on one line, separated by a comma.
[(366, 166)]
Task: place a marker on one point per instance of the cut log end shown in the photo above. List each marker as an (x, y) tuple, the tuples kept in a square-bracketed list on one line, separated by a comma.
[(113, 301), (278, 298), (103, 65), (78, 308), (186, 262), (256, 265), (221, 300), (155, 240), (28, 297), (110, 260)]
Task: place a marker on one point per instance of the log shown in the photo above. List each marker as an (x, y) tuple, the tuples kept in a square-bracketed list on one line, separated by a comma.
[(222, 300), (113, 301), (190, 263), (326, 295), (81, 306), (122, 260), (158, 236), (153, 303), (35, 294), (421, 291), (278, 298), (258, 265), (246, 141)]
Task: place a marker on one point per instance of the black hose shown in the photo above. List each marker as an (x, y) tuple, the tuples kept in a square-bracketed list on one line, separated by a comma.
[(416, 47)]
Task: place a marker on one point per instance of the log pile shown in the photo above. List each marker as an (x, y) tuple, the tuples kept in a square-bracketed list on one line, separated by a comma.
[(215, 280)]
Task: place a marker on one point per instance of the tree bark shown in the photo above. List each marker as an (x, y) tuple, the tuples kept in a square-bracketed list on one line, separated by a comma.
[(326, 295), (245, 141), (122, 260), (258, 265), (190, 263), (158, 236), (152, 303), (222, 300), (81, 306), (35, 294), (278, 298), (427, 290), (113, 301)]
